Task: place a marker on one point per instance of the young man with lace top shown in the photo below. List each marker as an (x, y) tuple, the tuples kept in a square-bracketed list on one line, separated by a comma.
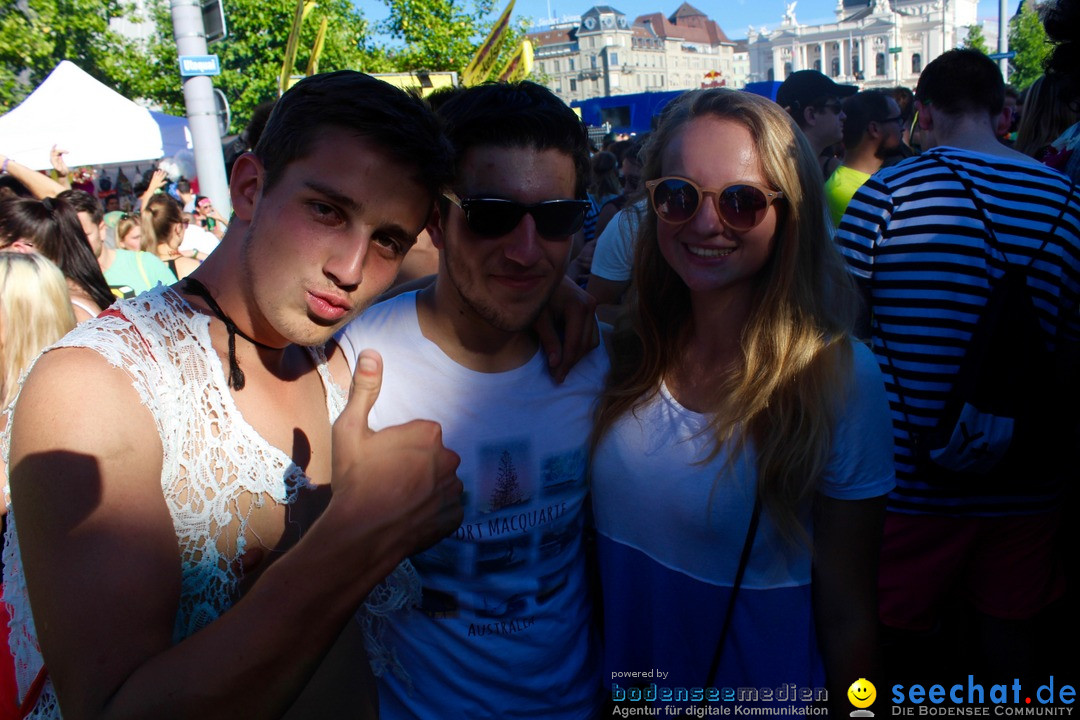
[(180, 544)]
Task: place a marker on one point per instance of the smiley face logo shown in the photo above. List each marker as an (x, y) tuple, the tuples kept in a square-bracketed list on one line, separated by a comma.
[(862, 693)]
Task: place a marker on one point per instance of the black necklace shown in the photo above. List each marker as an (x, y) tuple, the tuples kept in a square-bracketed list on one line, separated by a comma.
[(236, 375)]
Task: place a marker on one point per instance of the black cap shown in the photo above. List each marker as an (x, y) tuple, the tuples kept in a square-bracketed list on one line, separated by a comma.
[(802, 88)]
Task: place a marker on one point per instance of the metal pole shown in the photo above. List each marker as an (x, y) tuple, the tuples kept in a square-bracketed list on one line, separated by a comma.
[(201, 108), (1003, 38)]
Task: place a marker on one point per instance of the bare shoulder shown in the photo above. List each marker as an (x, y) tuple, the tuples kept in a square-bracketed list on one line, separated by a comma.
[(79, 434), (75, 398)]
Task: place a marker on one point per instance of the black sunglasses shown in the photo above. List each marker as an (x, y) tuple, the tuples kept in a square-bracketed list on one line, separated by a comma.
[(495, 217), (741, 206)]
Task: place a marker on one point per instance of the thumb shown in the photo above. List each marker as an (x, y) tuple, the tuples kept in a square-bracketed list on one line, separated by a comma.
[(366, 384)]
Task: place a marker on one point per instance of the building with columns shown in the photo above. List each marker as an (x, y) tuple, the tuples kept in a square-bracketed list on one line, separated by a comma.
[(872, 43), (605, 53)]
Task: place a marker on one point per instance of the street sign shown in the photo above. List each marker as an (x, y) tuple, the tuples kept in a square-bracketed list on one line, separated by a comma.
[(895, 50), (1003, 56), (192, 65)]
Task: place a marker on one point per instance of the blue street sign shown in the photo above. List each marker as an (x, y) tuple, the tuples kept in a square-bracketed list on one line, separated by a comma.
[(192, 65), (1003, 56)]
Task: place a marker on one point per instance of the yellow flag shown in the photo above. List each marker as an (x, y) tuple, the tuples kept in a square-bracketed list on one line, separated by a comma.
[(303, 7), (483, 62), (520, 64), (317, 48)]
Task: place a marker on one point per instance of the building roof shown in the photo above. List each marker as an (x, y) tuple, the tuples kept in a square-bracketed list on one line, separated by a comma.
[(687, 23), (556, 36)]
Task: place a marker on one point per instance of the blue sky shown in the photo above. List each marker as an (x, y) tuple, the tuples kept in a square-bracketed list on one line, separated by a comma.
[(732, 15)]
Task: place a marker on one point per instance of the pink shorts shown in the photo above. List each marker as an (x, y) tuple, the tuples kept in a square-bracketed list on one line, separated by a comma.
[(1004, 566)]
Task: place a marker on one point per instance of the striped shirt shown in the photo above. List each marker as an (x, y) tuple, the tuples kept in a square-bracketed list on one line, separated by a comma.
[(919, 244)]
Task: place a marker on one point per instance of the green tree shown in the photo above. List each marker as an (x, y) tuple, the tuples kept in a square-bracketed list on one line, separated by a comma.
[(442, 35), (35, 35), (975, 39), (252, 54), (1028, 38)]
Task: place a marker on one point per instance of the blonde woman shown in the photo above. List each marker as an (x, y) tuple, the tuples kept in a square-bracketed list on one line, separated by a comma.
[(129, 234), (743, 447), (35, 312), (163, 227)]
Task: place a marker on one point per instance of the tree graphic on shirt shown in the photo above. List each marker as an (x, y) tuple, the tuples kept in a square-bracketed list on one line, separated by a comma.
[(507, 492)]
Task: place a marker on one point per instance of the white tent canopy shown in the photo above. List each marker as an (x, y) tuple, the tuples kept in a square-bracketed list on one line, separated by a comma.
[(94, 123)]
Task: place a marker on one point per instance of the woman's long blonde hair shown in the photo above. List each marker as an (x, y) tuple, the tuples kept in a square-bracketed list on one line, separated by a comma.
[(795, 347), (35, 312)]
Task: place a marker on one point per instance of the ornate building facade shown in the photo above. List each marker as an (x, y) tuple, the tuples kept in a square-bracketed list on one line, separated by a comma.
[(604, 53), (873, 43)]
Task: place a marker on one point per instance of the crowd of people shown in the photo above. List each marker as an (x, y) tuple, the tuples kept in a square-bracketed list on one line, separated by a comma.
[(246, 477)]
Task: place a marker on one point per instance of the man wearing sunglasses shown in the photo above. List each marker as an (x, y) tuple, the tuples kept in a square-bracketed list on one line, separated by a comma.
[(872, 130), (813, 101), (504, 626)]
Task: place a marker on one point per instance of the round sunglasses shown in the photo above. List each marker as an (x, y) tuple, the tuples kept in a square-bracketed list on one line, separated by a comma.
[(741, 206), (495, 217)]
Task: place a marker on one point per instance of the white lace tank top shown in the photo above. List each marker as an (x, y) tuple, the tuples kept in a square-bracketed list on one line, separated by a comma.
[(164, 346)]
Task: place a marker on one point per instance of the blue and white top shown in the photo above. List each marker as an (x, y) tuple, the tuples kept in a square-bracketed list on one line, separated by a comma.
[(671, 531)]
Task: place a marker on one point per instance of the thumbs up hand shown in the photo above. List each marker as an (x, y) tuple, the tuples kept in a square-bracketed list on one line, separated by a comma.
[(401, 479)]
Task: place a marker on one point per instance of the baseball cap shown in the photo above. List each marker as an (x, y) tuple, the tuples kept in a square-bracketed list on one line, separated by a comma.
[(802, 88)]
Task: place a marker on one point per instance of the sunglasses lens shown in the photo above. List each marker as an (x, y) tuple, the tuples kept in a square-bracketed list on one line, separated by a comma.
[(742, 206), (492, 218), (559, 218), (495, 217), (675, 201)]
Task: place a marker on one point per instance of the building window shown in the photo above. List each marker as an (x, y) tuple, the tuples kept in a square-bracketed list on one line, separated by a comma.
[(836, 67), (817, 65), (787, 69), (916, 63), (613, 58), (880, 64), (572, 68), (592, 59), (771, 75), (573, 85)]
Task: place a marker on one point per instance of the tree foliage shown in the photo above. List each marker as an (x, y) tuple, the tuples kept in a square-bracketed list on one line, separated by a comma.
[(423, 35), (441, 34), (976, 40), (35, 35), (1028, 38), (252, 54)]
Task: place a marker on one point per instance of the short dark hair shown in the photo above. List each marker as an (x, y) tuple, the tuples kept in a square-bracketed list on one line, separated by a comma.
[(861, 109), (962, 82), (398, 123), (905, 99), (521, 114), (83, 201)]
